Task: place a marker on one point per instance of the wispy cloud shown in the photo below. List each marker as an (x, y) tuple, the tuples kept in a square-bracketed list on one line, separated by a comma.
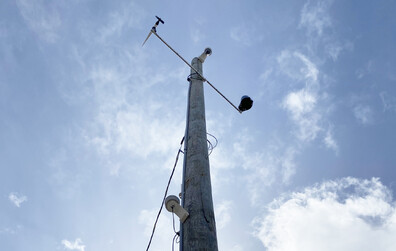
[(246, 34), (262, 167), (223, 214), (298, 66), (302, 105), (76, 245), (17, 199), (307, 106), (330, 141), (388, 101), (129, 16), (41, 18), (363, 114), (118, 123), (361, 109), (319, 26), (10, 231), (310, 70), (163, 231), (196, 35), (137, 107), (288, 165), (315, 17), (334, 49), (318, 217), (365, 70)]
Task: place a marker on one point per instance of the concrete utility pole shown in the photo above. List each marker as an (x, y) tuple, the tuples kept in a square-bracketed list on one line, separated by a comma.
[(198, 232)]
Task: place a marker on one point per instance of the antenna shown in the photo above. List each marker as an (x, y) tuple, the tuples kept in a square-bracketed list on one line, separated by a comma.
[(207, 52)]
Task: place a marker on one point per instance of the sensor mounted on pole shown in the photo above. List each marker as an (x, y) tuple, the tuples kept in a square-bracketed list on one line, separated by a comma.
[(172, 204)]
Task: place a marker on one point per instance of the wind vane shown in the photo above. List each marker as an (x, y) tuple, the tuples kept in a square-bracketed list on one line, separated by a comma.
[(154, 28)]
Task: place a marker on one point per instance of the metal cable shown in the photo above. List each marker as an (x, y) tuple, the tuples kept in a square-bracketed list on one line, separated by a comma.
[(210, 145), (176, 237), (173, 221), (166, 192), (177, 234)]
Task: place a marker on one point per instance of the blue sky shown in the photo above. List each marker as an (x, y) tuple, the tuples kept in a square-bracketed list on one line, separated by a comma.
[(91, 122)]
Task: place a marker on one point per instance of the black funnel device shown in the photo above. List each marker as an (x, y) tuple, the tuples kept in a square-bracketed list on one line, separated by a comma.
[(246, 103)]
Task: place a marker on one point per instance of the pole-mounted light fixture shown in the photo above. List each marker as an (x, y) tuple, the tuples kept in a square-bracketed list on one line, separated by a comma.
[(246, 103)]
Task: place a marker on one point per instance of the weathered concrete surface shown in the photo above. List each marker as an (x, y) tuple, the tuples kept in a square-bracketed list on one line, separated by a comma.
[(199, 230)]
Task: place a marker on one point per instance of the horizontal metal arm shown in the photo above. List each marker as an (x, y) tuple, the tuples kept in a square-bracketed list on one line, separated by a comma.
[(204, 79)]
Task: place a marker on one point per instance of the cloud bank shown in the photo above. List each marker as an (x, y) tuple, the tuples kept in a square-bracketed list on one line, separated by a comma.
[(344, 214)]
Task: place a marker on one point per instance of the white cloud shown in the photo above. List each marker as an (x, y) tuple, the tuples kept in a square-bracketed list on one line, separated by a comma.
[(76, 245), (17, 199), (344, 214), (119, 130), (42, 18), (298, 66), (301, 105), (315, 17), (305, 106), (364, 114), (310, 71)]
